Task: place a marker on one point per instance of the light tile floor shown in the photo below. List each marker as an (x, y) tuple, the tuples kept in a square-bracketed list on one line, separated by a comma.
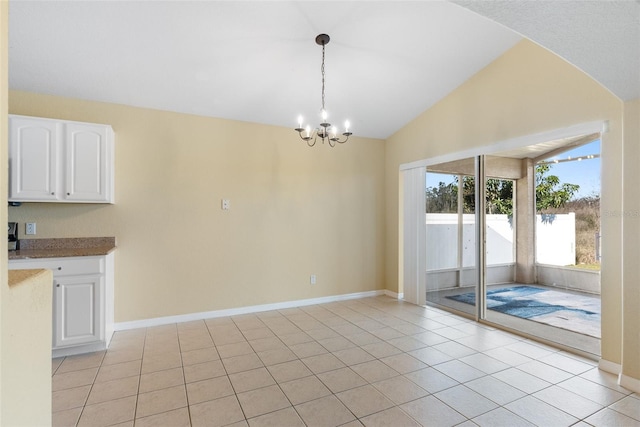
[(372, 361)]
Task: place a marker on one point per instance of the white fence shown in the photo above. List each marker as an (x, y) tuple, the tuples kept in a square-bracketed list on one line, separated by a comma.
[(556, 239), (555, 243)]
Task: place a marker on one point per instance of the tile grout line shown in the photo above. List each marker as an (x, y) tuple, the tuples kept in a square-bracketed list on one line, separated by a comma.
[(90, 388), (225, 368), (184, 377), (144, 344)]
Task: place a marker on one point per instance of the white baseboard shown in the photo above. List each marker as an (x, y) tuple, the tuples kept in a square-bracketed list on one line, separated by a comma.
[(629, 383), (79, 349), (157, 321), (393, 294), (611, 367)]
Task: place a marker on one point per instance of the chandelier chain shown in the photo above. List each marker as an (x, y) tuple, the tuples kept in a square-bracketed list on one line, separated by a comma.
[(323, 76)]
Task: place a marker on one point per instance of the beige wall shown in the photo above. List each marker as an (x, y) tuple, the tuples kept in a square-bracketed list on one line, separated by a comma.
[(25, 308), (26, 349), (295, 211), (631, 219), (526, 91)]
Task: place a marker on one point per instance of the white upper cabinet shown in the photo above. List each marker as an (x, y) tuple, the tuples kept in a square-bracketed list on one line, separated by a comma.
[(33, 158), (60, 161), (86, 155)]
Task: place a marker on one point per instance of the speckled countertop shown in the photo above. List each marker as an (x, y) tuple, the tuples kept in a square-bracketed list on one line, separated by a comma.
[(60, 248), (26, 277)]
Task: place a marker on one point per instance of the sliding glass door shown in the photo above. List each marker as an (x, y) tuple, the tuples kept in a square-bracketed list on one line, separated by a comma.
[(497, 254), (451, 276), (543, 290)]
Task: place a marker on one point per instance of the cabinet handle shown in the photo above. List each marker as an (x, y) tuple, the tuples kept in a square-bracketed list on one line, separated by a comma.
[(68, 194), (57, 285), (52, 193), (59, 268)]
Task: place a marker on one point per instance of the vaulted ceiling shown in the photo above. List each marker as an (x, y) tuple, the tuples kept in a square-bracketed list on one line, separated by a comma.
[(257, 61)]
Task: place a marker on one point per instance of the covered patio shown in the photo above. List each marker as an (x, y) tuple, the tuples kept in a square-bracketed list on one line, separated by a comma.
[(525, 261)]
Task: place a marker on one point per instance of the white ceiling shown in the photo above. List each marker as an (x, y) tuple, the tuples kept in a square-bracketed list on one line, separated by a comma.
[(601, 37), (257, 61)]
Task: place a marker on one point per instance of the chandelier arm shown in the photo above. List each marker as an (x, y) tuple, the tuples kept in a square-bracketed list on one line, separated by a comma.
[(311, 141), (308, 139), (315, 138), (337, 139)]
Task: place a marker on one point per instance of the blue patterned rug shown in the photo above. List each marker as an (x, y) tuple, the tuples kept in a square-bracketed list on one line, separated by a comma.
[(543, 305)]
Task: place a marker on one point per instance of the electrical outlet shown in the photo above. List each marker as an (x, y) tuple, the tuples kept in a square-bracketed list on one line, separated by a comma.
[(30, 228), (226, 204), (313, 279)]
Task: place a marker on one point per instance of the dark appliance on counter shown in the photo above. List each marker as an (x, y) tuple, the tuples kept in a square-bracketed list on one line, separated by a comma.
[(13, 236)]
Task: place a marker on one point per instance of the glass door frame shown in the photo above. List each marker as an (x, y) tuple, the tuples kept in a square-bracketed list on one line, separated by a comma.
[(481, 238)]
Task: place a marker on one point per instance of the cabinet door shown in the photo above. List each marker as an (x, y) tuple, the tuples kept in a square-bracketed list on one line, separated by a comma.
[(33, 159), (86, 156), (78, 312)]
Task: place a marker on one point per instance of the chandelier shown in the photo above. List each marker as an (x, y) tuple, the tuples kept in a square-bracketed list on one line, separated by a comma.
[(326, 131)]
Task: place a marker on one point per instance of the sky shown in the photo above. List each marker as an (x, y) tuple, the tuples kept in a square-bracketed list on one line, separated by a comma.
[(585, 173)]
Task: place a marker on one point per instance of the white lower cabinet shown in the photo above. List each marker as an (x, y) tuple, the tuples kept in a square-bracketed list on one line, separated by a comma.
[(82, 301), (79, 313)]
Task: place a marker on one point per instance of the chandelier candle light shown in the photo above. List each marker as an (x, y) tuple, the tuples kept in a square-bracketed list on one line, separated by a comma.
[(325, 131)]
